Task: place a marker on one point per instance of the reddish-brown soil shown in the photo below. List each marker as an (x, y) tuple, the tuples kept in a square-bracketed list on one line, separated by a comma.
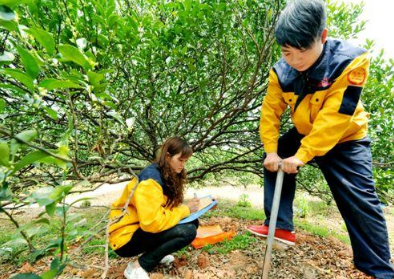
[(312, 258)]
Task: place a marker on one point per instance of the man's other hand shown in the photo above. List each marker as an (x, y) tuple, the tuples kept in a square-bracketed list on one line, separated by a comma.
[(291, 164)]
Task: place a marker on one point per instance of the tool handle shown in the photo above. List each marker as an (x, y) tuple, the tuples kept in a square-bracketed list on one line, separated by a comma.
[(272, 224)]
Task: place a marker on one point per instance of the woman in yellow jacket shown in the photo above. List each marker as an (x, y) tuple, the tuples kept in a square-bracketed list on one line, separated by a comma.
[(150, 225)]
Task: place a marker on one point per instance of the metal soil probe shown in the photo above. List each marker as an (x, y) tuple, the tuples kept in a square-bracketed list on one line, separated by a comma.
[(272, 224)]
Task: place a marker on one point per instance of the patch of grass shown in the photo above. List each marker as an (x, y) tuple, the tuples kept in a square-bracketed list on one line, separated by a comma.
[(344, 228), (246, 213), (226, 208), (244, 201), (95, 247), (75, 231), (313, 229), (301, 207), (5, 235), (185, 251), (320, 231), (9, 254), (317, 208), (343, 238), (239, 242), (304, 206), (312, 215), (320, 208)]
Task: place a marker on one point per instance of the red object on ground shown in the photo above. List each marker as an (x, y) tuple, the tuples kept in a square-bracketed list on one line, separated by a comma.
[(284, 236)]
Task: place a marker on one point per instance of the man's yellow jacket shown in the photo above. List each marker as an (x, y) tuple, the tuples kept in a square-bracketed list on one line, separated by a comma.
[(324, 101), (146, 209)]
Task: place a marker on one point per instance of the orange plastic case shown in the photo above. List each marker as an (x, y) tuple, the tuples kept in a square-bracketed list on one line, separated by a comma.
[(210, 235)]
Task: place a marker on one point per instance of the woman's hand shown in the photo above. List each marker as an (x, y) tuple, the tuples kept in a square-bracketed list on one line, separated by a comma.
[(272, 161), (193, 204)]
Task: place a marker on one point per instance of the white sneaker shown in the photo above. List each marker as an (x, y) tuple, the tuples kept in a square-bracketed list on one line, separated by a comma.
[(167, 260), (132, 272)]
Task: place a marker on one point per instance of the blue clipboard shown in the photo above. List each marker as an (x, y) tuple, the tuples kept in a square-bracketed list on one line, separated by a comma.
[(197, 214)]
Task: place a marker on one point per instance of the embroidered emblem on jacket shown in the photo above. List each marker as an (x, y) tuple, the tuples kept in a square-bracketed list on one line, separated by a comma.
[(356, 76)]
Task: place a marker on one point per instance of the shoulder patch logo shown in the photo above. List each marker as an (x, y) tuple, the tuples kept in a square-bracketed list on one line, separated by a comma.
[(357, 76)]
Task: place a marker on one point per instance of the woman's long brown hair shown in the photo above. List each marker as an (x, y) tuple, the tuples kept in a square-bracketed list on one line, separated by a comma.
[(174, 182)]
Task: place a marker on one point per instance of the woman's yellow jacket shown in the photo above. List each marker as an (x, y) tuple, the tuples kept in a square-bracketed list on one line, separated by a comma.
[(324, 101), (146, 209)]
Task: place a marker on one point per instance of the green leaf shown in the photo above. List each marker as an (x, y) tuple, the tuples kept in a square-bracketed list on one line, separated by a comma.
[(42, 221), (102, 40), (116, 116), (43, 201), (20, 77), (41, 196), (95, 78), (51, 113), (2, 104), (56, 264), (73, 54), (9, 25), (113, 19), (44, 38), (49, 197), (36, 255), (6, 13), (13, 88), (5, 193), (7, 57), (61, 211), (15, 242), (111, 105), (26, 276), (62, 151), (52, 84), (4, 154), (29, 62), (35, 231), (59, 192), (27, 135), (29, 159), (50, 209), (104, 96), (54, 161), (33, 223), (14, 146), (14, 3), (50, 274)]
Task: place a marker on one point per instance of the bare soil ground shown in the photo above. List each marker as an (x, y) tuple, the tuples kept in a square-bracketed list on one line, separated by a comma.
[(312, 257)]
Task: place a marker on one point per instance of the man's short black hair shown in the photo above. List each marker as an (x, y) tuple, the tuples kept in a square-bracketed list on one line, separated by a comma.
[(301, 23)]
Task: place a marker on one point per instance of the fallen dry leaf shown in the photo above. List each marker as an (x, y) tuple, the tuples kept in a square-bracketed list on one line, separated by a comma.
[(203, 261)]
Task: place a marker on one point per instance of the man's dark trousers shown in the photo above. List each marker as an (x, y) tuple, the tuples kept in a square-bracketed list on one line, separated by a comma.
[(347, 169)]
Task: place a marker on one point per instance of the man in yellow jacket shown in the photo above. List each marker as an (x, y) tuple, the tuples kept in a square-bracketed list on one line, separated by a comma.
[(321, 80)]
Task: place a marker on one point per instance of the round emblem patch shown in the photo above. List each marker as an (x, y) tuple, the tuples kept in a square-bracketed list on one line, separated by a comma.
[(356, 76)]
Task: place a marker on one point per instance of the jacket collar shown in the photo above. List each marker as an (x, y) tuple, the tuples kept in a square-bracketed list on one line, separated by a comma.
[(318, 69)]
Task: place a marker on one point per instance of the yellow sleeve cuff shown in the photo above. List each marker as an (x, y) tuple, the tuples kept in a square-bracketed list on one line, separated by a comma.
[(270, 148), (185, 211), (304, 156)]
